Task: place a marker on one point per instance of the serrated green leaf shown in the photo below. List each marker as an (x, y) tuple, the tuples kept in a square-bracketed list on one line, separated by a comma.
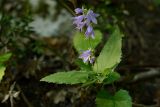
[(71, 77), (2, 69), (111, 53), (4, 57), (81, 43), (113, 76), (120, 99)]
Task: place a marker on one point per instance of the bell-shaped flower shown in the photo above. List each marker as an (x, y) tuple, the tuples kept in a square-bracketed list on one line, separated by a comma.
[(87, 56), (89, 32), (78, 21)]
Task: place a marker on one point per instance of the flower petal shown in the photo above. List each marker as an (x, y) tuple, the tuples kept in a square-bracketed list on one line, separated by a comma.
[(78, 10)]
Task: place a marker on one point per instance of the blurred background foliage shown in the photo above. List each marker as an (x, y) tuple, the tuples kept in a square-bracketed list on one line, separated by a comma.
[(39, 35)]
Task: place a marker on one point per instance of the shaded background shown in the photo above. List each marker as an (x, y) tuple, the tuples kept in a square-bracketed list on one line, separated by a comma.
[(39, 34)]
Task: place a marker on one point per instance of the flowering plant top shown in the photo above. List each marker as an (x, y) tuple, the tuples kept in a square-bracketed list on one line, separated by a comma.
[(85, 19)]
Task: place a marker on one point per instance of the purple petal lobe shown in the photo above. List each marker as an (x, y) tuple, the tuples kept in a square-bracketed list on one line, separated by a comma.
[(92, 60), (78, 18)]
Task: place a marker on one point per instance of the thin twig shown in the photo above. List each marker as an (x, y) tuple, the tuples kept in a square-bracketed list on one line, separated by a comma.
[(67, 7), (24, 97), (144, 75), (141, 105)]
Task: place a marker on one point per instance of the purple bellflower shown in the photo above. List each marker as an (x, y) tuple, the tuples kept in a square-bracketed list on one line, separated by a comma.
[(87, 56), (89, 32), (85, 20)]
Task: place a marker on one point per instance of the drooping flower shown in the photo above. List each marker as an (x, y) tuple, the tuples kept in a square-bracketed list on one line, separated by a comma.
[(78, 11), (87, 56), (89, 32), (78, 21)]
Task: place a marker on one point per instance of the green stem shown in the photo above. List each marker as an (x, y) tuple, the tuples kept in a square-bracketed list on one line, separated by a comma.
[(114, 88), (67, 7)]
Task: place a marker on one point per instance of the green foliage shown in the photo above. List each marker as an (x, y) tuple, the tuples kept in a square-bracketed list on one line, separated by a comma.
[(157, 2), (3, 58), (111, 53), (71, 77), (2, 69), (113, 76), (105, 64), (81, 43), (120, 99)]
